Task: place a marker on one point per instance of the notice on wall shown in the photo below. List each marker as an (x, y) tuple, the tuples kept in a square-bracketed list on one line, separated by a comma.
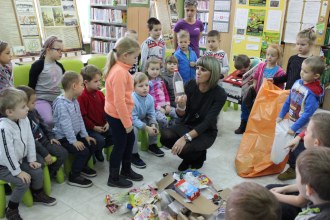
[(222, 16), (222, 5), (256, 21), (291, 31), (274, 20), (241, 18), (295, 9), (311, 15)]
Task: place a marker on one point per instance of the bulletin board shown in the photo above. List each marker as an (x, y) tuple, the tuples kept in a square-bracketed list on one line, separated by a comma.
[(257, 23), (306, 14)]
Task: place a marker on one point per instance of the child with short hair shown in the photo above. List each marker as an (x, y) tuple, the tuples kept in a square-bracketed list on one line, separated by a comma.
[(213, 43), (18, 164), (45, 77), (91, 103), (118, 108), (301, 104), (153, 46), (134, 35), (70, 130), (249, 200), (159, 92), (6, 75), (313, 168), (144, 117), (316, 135), (186, 56), (171, 64), (265, 70), (46, 144), (304, 43)]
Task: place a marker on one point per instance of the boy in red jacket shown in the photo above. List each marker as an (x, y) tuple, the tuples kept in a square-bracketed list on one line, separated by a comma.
[(91, 103)]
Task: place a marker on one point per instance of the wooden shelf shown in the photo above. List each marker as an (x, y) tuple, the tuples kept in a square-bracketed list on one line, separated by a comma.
[(109, 23), (118, 7), (104, 38)]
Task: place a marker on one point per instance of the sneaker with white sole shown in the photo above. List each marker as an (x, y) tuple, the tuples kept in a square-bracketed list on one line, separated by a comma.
[(43, 198), (88, 172), (79, 181), (137, 161)]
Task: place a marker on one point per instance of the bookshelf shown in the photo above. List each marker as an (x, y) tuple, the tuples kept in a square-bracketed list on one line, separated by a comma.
[(108, 23), (203, 12)]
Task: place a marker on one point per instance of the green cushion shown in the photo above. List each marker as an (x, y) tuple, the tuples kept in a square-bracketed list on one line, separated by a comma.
[(21, 74)]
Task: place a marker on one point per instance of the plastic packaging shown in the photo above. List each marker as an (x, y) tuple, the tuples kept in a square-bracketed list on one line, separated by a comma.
[(178, 84)]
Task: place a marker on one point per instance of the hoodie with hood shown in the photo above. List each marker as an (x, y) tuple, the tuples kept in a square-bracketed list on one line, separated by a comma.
[(302, 102), (68, 122), (16, 143)]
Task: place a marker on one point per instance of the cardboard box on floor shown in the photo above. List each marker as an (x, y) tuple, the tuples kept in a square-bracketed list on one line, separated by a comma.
[(200, 205)]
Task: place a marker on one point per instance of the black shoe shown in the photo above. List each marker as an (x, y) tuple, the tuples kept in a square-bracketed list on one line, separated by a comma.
[(137, 161), (184, 165), (12, 214), (115, 180), (241, 128), (43, 198), (79, 181), (131, 175), (88, 172), (197, 165), (8, 189), (155, 150), (99, 155)]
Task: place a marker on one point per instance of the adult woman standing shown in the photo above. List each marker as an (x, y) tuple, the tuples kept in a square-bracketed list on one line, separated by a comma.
[(198, 111), (190, 24)]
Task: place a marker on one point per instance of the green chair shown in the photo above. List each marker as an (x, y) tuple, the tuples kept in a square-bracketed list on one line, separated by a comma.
[(144, 140), (107, 151), (27, 198), (47, 180), (98, 61), (72, 65), (21, 74), (227, 104), (68, 164)]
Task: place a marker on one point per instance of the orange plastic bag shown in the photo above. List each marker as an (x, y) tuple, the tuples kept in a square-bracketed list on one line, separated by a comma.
[(253, 156)]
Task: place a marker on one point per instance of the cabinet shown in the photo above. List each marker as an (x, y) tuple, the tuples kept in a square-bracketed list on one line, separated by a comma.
[(108, 23)]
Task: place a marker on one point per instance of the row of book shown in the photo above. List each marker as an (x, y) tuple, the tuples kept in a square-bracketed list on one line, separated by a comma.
[(203, 16), (109, 15), (104, 31), (109, 2), (102, 47), (203, 5)]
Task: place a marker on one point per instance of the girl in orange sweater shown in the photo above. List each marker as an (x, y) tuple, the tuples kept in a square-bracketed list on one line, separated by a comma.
[(118, 107)]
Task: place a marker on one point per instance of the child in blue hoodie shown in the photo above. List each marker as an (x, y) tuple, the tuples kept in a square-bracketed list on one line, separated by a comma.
[(186, 57), (301, 104), (144, 117)]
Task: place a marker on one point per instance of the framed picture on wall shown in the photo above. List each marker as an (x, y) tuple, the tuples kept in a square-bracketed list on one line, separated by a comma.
[(138, 3)]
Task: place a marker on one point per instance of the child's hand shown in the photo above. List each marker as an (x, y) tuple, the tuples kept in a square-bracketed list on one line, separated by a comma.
[(278, 120), (167, 109), (292, 145), (79, 145), (54, 141), (280, 190), (162, 110), (192, 64), (129, 129), (290, 132), (155, 128), (106, 127), (48, 159), (25, 177), (34, 165), (98, 129), (90, 139), (151, 131)]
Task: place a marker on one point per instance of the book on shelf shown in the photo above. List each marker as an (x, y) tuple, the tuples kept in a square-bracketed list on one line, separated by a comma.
[(110, 2), (102, 46), (108, 15), (203, 5), (105, 31)]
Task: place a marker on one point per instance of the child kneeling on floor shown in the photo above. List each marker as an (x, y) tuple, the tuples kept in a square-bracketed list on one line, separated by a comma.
[(144, 117), (18, 164)]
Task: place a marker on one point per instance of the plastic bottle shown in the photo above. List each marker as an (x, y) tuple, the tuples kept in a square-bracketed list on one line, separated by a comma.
[(178, 84)]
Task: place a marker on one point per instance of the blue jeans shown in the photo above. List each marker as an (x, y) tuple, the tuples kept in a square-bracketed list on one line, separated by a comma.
[(245, 112), (122, 144)]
